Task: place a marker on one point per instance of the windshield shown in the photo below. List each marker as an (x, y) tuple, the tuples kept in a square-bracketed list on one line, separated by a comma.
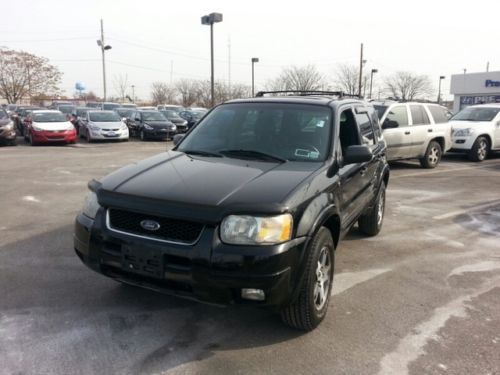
[(104, 117), (476, 114), (170, 114), (152, 116), (124, 112), (49, 117), (3, 114), (380, 110), (290, 132), (66, 108), (110, 106)]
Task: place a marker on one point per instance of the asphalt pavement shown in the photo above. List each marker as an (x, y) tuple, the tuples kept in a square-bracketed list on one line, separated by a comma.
[(422, 297)]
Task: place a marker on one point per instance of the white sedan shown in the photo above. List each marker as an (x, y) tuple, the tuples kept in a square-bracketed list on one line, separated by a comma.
[(103, 125)]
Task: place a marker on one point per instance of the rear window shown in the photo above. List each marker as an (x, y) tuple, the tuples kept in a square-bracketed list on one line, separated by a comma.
[(110, 106), (439, 114), (66, 109), (418, 115)]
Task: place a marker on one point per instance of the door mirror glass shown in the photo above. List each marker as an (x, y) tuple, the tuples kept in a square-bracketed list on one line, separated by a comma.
[(389, 124), (357, 154)]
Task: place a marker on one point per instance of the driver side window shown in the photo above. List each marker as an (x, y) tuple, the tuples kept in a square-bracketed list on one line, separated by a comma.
[(348, 130)]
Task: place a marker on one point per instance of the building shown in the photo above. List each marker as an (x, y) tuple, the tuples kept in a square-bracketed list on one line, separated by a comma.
[(475, 88)]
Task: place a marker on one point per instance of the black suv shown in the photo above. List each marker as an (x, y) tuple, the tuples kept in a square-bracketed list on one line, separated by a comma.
[(150, 124), (247, 208)]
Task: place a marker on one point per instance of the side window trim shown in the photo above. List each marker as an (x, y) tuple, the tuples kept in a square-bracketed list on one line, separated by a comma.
[(367, 114)]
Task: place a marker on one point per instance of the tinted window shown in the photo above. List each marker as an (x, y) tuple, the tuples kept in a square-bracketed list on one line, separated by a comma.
[(365, 128), (380, 110), (398, 114), (298, 132), (440, 114), (418, 115), (67, 109)]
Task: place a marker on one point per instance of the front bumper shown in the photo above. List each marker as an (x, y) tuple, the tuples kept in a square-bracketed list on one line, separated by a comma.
[(208, 271), (67, 136), (462, 143), (7, 135), (109, 134), (159, 133)]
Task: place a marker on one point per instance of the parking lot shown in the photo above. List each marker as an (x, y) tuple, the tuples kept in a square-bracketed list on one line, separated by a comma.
[(421, 297)]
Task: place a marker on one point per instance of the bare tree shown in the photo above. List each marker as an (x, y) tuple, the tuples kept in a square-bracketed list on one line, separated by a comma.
[(408, 86), (346, 79), (188, 90), (24, 74), (121, 85), (304, 78), (162, 93)]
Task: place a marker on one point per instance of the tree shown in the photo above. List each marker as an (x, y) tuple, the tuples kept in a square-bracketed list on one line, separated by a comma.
[(162, 93), (121, 85), (188, 90), (304, 78), (24, 74), (346, 79), (408, 86)]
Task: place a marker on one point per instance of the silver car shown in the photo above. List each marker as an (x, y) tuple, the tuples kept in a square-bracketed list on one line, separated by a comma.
[(103, 125)]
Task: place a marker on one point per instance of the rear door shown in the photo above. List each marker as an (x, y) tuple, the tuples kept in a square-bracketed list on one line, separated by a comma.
[(420, 130), (399, 138)]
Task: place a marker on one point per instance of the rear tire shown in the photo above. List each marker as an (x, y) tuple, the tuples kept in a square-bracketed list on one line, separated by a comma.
[(432, 155), (311, 305), (371, 222), (480, 149)]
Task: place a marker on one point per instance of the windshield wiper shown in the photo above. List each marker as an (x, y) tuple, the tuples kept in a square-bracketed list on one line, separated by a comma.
[(253, 154), (202, 153)]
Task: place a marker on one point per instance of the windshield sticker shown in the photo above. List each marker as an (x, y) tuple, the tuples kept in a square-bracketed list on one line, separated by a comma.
[(306, 154), (320, 124)]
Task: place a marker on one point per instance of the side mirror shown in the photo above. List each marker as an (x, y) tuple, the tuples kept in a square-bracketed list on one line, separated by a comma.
[(178, 139), (389, 124), (357, 154), (137, 119)]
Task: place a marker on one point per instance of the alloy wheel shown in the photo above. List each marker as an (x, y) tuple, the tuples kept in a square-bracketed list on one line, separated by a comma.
[(482, 150), (433, 156), (323, 278)]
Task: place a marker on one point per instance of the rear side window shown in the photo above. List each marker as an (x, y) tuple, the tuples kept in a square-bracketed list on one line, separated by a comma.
[(440, 114), (418, 115), (365, 129), (398, 114)]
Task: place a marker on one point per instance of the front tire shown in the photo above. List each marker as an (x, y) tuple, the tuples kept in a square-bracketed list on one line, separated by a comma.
[(311, 305), (432, 155), (371, 222), (480, 149)]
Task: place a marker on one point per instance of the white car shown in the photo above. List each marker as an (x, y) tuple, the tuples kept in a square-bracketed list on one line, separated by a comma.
[(414, 130), (101, 125), (476, 130)]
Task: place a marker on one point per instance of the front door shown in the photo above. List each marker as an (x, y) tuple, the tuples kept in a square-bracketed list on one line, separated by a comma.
[(399, 137)]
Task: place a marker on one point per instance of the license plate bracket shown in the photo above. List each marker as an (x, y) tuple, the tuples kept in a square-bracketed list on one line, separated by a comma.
[(142, 261)]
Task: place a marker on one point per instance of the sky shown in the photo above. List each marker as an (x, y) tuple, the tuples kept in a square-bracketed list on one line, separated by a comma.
[(165, 40)]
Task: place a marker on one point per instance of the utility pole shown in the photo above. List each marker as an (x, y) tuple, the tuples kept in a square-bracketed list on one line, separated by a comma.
[(171, 71), (104, 47), (133, 93), (487, 66), (229, 65), (360, 70)]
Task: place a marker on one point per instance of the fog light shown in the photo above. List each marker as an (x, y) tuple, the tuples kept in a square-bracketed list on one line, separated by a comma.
[(253, 294)]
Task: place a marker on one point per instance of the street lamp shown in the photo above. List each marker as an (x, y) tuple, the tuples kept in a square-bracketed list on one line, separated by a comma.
[(371, 80), (439, 90), (254, 60), (104, 47), (210, 20)]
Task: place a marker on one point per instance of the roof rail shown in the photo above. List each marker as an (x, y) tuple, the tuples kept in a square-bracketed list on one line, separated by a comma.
[(339, 94)]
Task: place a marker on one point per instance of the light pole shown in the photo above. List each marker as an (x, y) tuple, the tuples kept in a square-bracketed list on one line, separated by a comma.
[(210, 20), (371, 80), (439, 90), (133, 93), (254, 60), (104, 47)]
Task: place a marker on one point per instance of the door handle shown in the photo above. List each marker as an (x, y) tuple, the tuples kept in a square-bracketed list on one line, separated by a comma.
[(363, 171), (407, 132), (429, 130)]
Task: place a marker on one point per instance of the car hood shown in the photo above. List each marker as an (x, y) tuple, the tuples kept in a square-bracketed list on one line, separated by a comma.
[(470, 124), (107, 125), (158, 124), (174, 177), (53, 125)]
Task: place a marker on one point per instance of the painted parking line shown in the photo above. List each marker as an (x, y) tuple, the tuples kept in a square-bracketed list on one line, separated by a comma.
[(347, 280), (464, 211), (441, 170)]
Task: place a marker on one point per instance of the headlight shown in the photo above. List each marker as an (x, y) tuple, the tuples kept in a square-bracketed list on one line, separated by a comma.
[(36, 128), (9, 126), (173, 127), (94, 128), (463, 132), (91, 205), (147, 127), (250, 230), (123, 127), (70, 127)]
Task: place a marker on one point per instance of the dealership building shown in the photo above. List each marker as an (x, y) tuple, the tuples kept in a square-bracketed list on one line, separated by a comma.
[(475, 88)]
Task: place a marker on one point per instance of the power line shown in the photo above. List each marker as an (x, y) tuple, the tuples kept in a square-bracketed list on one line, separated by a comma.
[(45, 40)]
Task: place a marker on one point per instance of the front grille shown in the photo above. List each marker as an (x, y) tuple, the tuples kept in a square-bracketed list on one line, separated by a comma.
[(172, 230)]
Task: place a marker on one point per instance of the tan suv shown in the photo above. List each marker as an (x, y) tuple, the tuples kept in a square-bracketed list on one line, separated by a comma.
[(415, 131)]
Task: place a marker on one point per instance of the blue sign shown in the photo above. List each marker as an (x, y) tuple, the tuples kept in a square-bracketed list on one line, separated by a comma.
[(80, 86), (491, 83)]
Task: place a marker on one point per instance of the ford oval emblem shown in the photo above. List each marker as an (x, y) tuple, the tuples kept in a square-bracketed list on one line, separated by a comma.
[(150, 225)]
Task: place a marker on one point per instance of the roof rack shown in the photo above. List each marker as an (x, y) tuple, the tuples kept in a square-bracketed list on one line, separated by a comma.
[(339, 94)]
